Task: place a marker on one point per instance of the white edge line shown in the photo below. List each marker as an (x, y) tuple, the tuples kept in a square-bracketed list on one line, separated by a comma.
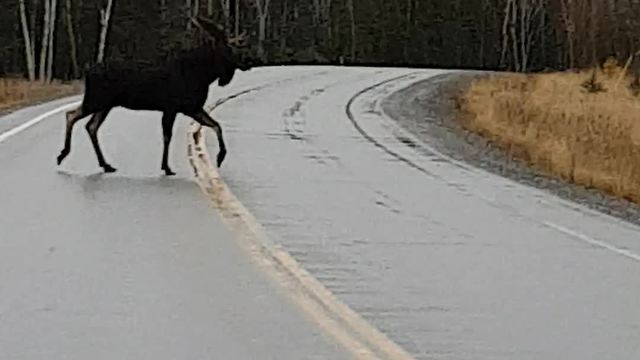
[(577, 207), (594, 242), (24, 126), (548, 196)]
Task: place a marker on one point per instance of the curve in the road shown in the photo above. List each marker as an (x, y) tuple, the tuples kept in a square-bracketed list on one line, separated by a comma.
[(428, 263), (369, 138), (347, 327), (451, 265), (412, 141)]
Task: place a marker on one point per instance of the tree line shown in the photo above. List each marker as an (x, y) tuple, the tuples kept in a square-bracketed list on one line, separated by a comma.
[(46, 39)]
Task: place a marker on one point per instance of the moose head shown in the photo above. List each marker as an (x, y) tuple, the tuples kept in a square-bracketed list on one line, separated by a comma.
[(226, 59)]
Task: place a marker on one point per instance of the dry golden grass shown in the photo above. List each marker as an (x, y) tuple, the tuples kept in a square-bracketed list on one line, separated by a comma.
[(549, 120), (15, 92)]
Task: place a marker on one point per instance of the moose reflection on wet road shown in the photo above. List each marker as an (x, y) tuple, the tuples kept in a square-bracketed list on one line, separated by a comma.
[(448, 261)]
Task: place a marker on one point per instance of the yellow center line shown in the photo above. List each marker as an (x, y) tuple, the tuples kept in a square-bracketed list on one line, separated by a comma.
[(335, 318)]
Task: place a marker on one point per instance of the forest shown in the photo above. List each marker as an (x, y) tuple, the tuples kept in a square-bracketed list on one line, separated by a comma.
[(58, 39)]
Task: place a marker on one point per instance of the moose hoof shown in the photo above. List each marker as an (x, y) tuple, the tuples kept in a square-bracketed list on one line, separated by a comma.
[(108, 168), (61, 157), (168, 172), (221, 156)]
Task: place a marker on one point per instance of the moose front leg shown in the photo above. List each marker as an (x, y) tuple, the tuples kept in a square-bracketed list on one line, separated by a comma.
[(72, 118), (204, 119), (168, 119)]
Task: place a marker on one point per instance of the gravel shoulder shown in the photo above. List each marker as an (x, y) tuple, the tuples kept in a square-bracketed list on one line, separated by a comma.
[(429, 110)]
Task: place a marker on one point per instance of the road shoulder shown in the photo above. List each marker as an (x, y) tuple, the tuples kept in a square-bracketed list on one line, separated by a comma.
[(428, 109)]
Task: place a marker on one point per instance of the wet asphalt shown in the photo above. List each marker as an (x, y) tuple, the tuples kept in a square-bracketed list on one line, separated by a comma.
[(449, 261), (131, 265)]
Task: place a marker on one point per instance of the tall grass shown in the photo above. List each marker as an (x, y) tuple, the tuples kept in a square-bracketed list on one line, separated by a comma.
[(15, 92), (551, 121)]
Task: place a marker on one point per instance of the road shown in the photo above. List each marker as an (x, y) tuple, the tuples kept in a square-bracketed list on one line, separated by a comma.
[(131, 265), (448, 261)]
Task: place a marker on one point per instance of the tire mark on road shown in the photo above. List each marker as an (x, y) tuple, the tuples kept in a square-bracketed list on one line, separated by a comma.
[(338, 320)]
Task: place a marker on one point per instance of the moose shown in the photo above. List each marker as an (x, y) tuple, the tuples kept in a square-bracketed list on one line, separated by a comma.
[(179, 84)]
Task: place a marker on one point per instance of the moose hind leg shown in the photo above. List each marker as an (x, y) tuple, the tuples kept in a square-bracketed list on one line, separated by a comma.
[(72, 118), (204, 119), (168, 119), (92, 128)]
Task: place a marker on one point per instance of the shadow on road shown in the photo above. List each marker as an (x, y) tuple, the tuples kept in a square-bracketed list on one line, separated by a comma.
[(100, 183)]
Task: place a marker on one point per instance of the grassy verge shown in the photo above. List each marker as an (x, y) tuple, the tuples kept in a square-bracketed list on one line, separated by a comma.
[(15, 92), (553, 123)]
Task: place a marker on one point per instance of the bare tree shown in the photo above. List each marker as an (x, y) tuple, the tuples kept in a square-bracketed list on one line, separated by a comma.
[(408, 27), (236, 18), (193, 8), (285, 29), (73, 47), (521, 35), (505, 34), (352, 21), (322, 15), (531, 11), (593, 20), (35, 5), (52, 31), (163, 10), (105, 17), (189, 6), (45, 40), (263, 14), (226, 11), (514, 37), (570, 29), (28, 48), (520, 30)]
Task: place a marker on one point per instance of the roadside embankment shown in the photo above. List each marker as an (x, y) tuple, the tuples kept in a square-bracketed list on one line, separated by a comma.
[(15, 92), (553, 123), (544, 131)]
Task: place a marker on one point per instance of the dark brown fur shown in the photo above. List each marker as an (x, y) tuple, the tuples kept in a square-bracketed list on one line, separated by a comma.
[(179, 85)]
